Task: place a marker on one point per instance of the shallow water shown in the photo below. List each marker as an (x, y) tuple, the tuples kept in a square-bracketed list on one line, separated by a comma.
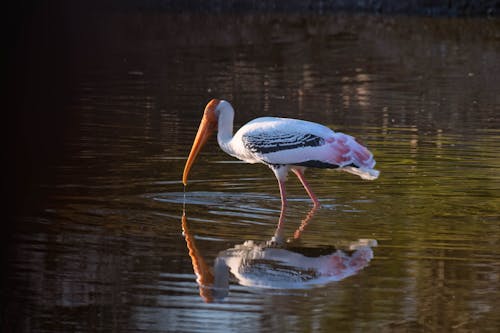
[(106, 250)]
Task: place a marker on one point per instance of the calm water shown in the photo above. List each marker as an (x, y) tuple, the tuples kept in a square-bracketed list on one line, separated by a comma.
[(106, 251)]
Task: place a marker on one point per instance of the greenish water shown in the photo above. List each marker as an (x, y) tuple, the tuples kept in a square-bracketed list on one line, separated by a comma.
[(106, 250)]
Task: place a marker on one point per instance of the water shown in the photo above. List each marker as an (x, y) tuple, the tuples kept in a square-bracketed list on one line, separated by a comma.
[(104, 249)]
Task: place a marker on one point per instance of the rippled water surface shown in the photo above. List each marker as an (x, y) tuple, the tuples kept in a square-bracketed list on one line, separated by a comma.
[(106, 249)]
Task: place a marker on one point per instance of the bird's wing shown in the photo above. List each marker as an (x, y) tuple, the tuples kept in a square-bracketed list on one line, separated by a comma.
[(282, 140), (266, 143)]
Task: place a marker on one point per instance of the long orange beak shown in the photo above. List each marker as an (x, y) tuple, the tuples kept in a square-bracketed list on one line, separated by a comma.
[(207, 126)]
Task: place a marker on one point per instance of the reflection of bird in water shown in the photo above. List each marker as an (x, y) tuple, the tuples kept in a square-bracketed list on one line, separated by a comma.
[(283, 144), (270, 267), (274, 264)]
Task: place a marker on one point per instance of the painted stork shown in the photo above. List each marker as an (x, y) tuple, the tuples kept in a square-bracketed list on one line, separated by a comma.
[(284, 145)]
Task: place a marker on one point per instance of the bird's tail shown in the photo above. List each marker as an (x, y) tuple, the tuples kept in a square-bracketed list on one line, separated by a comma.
[(354, 157)]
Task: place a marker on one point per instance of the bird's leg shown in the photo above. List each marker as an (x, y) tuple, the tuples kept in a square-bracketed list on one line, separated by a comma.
[(304, 182), (283, 202), (281, 171)]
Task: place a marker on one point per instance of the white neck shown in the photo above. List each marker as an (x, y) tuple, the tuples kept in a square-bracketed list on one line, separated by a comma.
[(225, 125)]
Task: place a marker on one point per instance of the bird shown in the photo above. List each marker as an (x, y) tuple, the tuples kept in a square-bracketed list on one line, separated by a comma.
[(284, 145)]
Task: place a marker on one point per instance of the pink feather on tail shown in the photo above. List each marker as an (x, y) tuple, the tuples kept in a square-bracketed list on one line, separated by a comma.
[(351, 156)]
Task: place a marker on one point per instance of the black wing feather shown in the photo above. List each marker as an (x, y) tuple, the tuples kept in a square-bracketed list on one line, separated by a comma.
[(264, 144)]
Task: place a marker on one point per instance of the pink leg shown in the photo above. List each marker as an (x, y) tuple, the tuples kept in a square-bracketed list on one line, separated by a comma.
[(283, 203), (304, 182)]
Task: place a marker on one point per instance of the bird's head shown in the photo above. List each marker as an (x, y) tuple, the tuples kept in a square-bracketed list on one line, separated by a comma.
[(207, 126)]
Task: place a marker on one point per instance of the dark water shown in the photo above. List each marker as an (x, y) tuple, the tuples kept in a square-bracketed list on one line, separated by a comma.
[(104, 249)]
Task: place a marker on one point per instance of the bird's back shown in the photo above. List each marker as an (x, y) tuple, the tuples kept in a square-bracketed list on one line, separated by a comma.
[(285, 141)]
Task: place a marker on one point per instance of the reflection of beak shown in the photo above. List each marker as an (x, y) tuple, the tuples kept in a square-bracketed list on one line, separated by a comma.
[(204, 276), (207, 127)]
